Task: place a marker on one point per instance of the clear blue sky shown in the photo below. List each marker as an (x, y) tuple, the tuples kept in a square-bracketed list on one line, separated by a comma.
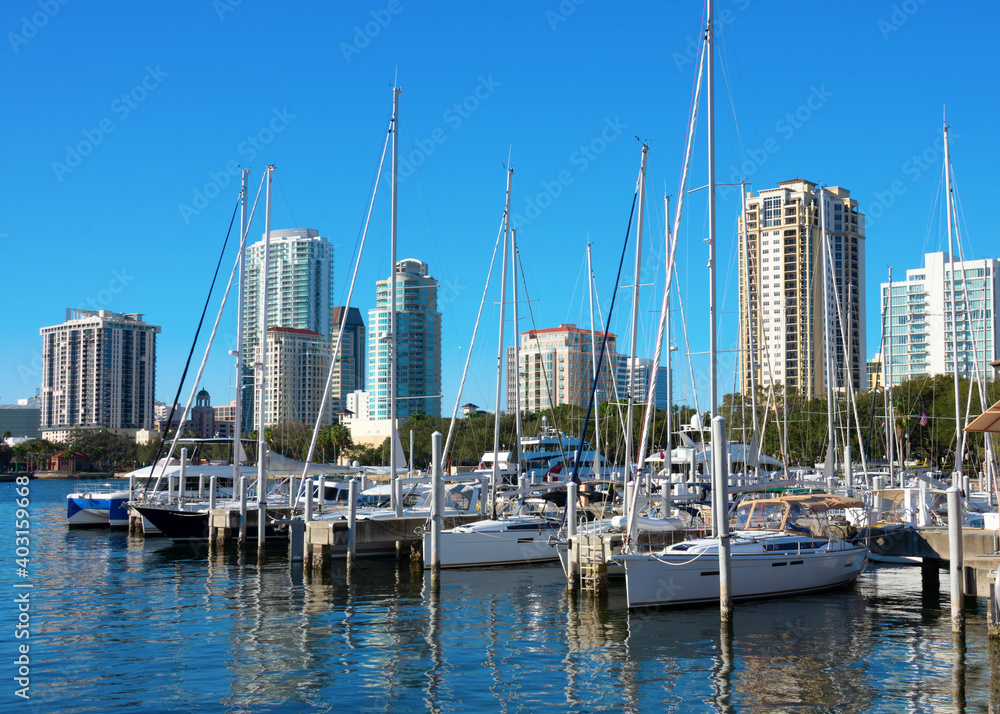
[(122, 118)]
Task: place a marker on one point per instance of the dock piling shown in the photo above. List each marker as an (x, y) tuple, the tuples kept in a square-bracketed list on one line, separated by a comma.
[(955, 565)]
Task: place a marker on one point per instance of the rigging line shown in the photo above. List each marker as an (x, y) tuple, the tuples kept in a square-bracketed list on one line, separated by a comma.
[(340, 336), (287, 204), (194, 342), (932, 211), (604, 343), (372, 189), (208, 345), (545, 379), (468, 353)]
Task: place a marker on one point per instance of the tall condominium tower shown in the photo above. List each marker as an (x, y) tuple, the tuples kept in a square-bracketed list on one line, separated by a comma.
[(917, 324), (418, 344), (298, 296), (349, 373), (98, 371), (557, 368), (297, 365), (782, 310)]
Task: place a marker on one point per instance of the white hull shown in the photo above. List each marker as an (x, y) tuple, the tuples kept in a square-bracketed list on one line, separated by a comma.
[(687, 579), (493, 543)]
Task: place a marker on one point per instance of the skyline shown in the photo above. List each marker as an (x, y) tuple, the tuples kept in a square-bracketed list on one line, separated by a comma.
[(130, 131)]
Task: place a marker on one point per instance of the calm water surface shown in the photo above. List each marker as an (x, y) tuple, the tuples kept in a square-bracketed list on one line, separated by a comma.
[(119, 623)]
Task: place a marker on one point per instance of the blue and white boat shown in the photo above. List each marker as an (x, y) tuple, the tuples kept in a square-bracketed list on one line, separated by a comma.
[(98, 505)]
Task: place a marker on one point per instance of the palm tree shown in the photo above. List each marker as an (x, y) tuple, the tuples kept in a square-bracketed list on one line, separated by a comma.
[(340, 438)]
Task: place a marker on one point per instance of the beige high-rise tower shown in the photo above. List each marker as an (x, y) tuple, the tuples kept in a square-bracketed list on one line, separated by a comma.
[(784, 305)]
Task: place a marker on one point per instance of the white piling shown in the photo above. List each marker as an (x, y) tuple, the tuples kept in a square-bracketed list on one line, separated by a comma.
[(572, 490), (720, 507), (437, 504), (321, 493), (243, 509), (212, 485), (183, 479), (848, 469), (956, 566), (170, 488), (309, 500), (292, 495), (201, 486), (352, 521), (261, 524), (131, 487), (665, 507)]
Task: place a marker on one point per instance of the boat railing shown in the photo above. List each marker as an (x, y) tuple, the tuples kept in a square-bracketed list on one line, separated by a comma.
[(106, 487)]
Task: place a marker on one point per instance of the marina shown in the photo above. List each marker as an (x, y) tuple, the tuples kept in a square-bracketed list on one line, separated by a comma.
[(151, 626)]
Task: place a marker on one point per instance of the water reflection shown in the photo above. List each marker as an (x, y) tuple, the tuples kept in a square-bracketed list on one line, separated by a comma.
[(139, 623)]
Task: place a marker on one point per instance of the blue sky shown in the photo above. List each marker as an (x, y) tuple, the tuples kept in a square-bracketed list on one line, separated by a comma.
[(124, 123)]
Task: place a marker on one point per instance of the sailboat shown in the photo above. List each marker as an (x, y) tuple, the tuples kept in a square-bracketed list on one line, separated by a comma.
[(781, 546)]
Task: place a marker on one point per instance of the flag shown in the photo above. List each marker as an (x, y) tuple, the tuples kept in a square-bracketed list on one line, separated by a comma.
[(923, 418)]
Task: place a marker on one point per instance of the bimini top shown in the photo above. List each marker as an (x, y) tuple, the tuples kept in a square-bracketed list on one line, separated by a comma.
[(823, 501)]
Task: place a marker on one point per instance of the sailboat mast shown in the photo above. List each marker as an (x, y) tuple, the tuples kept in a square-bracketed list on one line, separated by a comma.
[(751, 351), (954, 322), (393, 436), (503, 298), (263, 301), (831, 450), (667, 464), (238, 411), (713, 344), (629, 430), (517, 357), (890, 435)]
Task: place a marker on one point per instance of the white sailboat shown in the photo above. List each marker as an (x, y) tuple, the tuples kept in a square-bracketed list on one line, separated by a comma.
[(781, 546)]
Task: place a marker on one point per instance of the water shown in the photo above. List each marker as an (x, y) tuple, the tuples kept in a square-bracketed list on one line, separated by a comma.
[(125, 624)]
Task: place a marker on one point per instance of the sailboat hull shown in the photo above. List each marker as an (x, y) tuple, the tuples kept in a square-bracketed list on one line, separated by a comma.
[(671, 580)]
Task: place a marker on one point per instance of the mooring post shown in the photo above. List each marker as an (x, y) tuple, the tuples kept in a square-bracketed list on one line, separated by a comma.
[(321, 492), (720, 508), (956, 565), (243, 510), (352, 522), (437, 504), (261, 524), (572, 493)]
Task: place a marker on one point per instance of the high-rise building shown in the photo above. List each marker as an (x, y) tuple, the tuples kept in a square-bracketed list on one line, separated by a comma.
[(297, 365), (641, 377), (918, 337), (352, 363), (875, 375), (556, 367), (418, 344), (782, 310), (300, 276), (98, 371)]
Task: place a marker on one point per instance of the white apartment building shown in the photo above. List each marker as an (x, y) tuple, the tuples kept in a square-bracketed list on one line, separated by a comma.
[(300, 276), (783, 313), (297, 365), (98, 371), (917, 329)]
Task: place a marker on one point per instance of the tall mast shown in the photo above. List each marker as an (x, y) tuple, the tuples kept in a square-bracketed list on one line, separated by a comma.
[(517, 356), (629, 431), (713, 345), (503, 298), (393, 436), (751, 351), (890, 431), (593, 361), (238, 412), (828, 466), (261, 441), (666, 466), (954, 322)]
